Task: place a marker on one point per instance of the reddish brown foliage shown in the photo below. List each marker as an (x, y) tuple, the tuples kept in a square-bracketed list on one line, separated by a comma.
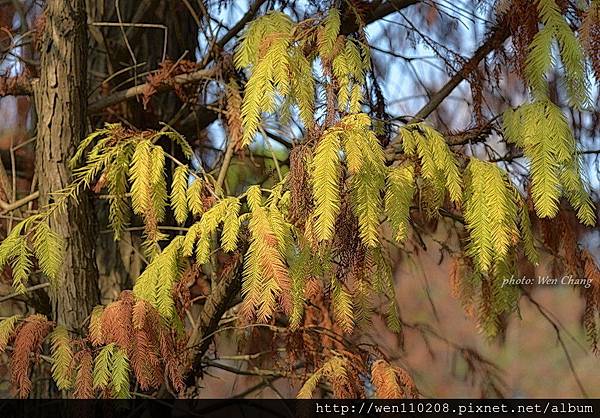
[(164, 78), (83, 380), (28, 344), (591, 314)]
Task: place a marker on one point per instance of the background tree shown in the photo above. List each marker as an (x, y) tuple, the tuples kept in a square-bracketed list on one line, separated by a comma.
[(257, 175)]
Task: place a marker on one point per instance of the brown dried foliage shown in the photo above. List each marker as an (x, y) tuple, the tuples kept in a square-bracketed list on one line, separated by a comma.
[(116, 322), (591, 314), (300, 186), (234, 114), (28, 343), (590, 36), (392, 382), (163, 77), (522, 20), (84, 388), (135, 326)]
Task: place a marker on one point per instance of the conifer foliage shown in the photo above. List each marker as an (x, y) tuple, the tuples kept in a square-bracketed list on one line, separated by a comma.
[(333, 254)]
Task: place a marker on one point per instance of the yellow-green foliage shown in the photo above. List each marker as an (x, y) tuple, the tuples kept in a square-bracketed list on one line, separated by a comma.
[(302, 266), (120, 374), (155, 284), (264, 48), (7, 326), (349, 68), (490, 214), (366, 165), (400, 188), (380, 273), (95, 327), (48, 249), (438, 164), (277, 53), (539, 60), (102, 367), (147, 187), (179, 200), (111, 371), (328, 34), (194, 198), (326, 168), (341, 304), (542, 130), (31, 237), (202, 232), (62, 357), (126, 158)]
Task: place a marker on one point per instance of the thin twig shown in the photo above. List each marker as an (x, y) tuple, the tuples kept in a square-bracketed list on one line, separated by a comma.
[(29, 289)]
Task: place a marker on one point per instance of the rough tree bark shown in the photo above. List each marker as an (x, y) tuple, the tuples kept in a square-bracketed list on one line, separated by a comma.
[(60, 100)]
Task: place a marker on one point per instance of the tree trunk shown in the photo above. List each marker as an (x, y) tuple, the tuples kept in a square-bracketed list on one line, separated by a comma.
[(60, 98)]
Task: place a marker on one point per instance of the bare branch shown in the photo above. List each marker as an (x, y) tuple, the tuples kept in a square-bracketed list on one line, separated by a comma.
[(132, 92), (7, 207), (495, 40)]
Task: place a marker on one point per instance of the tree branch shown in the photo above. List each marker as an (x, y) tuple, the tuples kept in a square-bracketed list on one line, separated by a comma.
[(217, 303), (7, 207), (132, 92), (496, 39), (349, 26)]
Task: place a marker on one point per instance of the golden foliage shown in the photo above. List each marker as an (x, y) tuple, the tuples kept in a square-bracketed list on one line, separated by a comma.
[(391, 382), (62, 356), (438, 164), (542, 130)]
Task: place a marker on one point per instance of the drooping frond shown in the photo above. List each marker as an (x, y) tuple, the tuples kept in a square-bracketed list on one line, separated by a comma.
[(62, 356), (264, 48), (155, 284), (438, 164), (400, 189), (382, 281), (343, 309), (194, 198), (303, 86), (231, 226), (95, 327), (328, 34), (102, 367), (48, 249), (21, 265), (490, 213), (120, 374), (301, 267), (366, 163), (179, 200), (349, 67), (391, 382), (539, 60), (333, 370), (84, 383), (326, 184), (27, 346), (7, 327), (116, 177), (265, 278), (542, 130)]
